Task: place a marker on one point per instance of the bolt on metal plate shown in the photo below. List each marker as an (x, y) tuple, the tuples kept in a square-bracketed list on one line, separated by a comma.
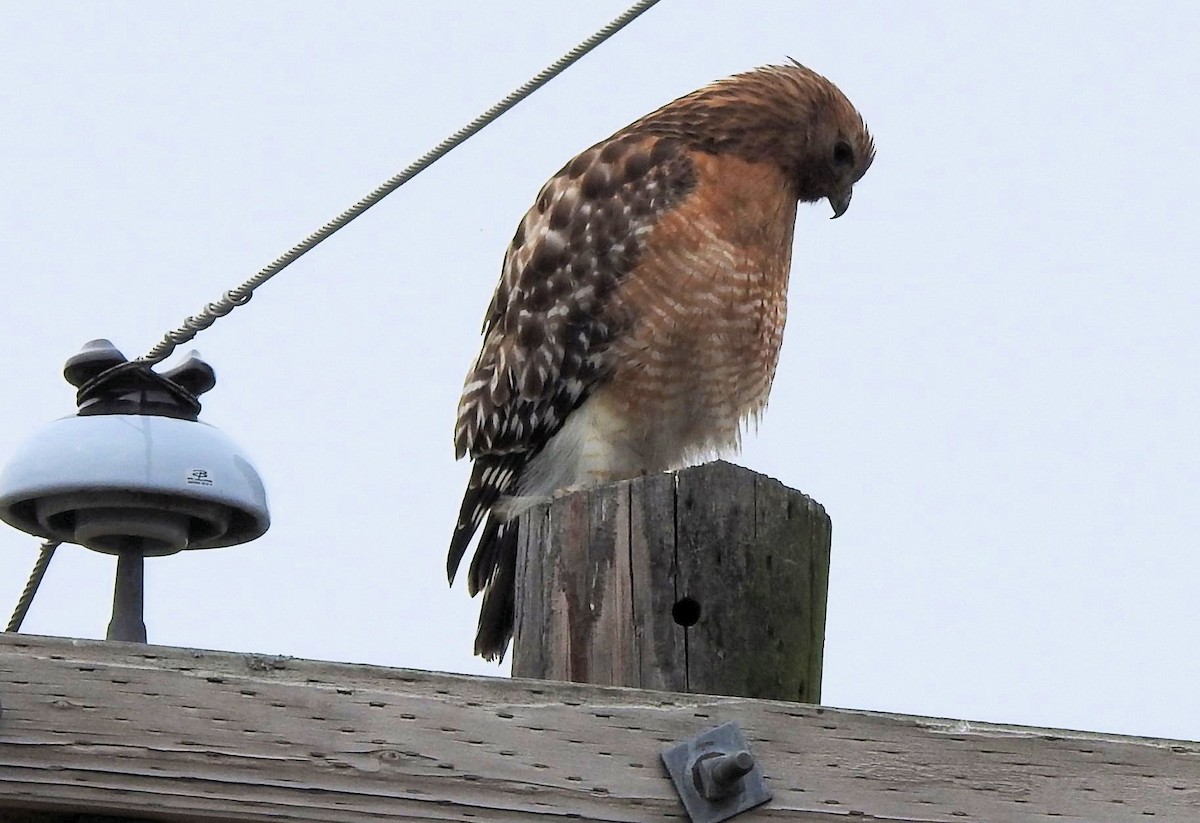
[(715, 775)]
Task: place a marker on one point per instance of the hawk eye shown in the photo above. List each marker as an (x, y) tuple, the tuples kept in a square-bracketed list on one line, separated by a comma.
[(843, 155)]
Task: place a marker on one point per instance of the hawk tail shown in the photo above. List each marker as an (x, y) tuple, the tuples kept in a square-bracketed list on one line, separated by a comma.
[(494, 566), (495, 563)]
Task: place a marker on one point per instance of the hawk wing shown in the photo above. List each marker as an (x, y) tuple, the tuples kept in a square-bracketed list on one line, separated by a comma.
[(546, 336), (551, 319)]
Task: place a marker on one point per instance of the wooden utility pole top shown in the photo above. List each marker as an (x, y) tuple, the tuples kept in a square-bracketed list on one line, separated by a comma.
[(135, 732), (712, 579)]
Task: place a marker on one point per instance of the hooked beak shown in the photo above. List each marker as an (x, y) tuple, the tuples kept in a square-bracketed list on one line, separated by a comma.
[(841, 202)]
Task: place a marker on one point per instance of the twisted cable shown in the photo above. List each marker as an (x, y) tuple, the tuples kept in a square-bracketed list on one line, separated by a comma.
[(241, 295), (31, 587)]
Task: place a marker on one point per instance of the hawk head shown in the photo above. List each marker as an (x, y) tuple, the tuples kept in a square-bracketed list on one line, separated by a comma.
[(787, 115)]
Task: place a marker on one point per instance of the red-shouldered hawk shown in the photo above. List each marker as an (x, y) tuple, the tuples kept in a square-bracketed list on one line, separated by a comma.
[(641, 305)]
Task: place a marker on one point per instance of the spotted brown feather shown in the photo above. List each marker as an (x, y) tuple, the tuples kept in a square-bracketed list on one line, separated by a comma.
[(549, 323)]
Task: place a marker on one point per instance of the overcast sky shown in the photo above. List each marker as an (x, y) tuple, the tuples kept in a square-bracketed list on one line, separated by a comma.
[(989, 378)]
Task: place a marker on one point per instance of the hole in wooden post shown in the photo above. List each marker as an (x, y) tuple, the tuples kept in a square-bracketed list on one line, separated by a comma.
[(686, 612)]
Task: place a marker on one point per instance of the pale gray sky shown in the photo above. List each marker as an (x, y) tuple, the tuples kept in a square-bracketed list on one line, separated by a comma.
[(989, 377)]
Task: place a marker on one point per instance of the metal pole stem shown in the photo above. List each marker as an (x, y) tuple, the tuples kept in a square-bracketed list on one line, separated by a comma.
[(127, 623)]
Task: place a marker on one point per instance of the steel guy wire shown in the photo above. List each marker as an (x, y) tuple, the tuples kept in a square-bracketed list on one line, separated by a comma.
[(31, 587), (241, 295)]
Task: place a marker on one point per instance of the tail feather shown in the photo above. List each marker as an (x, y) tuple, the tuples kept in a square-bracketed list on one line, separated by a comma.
[(491, 477), (497, 614), (493, 569), (487, 555)]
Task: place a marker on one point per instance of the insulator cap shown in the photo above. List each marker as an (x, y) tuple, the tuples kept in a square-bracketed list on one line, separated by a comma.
[(134, 470)]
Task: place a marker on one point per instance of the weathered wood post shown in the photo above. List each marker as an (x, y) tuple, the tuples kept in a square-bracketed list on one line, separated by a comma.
[(712, 579)]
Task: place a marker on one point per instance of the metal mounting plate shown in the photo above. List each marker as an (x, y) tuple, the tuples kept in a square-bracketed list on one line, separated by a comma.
[(680, 761)]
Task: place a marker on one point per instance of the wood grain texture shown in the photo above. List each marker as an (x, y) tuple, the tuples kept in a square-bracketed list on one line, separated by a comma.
[(181, 735), (601, 569)]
